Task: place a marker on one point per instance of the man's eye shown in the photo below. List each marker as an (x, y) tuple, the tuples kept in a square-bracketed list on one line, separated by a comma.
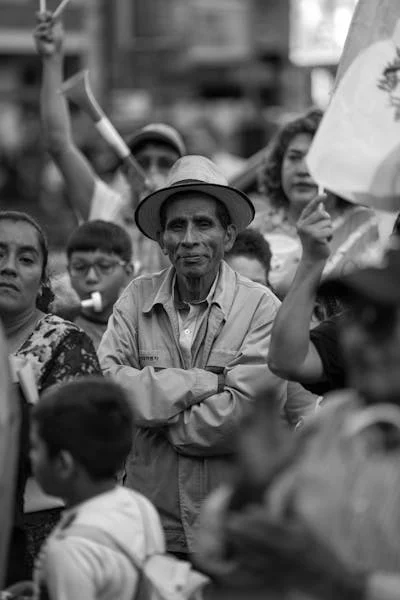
[(175, 226), (26, 260), (79, 268), (105, 267), (164, 164), (143, 162)]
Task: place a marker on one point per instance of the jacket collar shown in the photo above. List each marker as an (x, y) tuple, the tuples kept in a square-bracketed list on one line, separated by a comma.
[(223, 295)]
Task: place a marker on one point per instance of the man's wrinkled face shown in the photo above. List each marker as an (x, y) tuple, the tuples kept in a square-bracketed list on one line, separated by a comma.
[(193, 237), (370, 337)]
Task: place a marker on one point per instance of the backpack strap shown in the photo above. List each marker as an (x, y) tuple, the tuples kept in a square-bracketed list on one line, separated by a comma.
[(93, 534)]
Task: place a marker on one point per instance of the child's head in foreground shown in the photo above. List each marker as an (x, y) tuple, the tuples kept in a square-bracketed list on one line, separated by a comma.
[(80, 436)]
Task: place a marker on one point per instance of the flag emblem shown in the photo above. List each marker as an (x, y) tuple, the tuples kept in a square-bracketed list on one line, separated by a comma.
[(390, 81)]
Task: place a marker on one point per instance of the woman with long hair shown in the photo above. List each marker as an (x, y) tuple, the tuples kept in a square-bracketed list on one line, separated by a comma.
[(286, 184), (55, 351)]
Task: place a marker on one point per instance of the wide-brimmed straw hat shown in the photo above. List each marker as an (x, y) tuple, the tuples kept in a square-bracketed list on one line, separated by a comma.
[(194, 174)]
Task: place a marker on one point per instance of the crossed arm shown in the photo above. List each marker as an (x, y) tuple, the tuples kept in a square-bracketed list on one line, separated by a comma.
[(198, 415)]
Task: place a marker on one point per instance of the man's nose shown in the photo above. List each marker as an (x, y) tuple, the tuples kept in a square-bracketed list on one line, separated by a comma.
[(190, 235), (92, 274), (155, 178)]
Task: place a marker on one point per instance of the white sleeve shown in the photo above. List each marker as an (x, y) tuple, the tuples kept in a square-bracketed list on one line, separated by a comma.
[(106, 204), (67, 576)]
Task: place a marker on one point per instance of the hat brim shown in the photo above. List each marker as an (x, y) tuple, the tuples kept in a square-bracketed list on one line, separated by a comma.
[(135, 141), (374, 284), (238, 205)]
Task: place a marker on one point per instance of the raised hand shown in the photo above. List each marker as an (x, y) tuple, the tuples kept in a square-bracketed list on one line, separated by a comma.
[(315, 230), (48, 35)]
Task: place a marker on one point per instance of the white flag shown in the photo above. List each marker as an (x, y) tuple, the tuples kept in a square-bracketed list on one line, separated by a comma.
[(356, 151)]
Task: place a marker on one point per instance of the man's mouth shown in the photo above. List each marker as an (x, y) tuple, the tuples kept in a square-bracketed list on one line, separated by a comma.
[(192, 258), (8, 286)]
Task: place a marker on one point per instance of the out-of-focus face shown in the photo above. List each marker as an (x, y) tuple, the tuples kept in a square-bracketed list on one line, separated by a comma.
[(98, 271), (43, 467), (21, 264), (193, 238), (249, 267), (156, 159), (370, 338), (297, 183)]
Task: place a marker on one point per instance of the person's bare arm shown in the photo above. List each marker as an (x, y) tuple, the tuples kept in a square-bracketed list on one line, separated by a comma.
[(78, 174), (292, 355)]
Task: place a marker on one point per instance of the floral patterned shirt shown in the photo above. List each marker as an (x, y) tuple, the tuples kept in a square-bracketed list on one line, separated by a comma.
[(59, 351)]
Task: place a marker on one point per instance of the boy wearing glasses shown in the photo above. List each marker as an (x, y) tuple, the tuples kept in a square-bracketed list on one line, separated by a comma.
[(99, 260)]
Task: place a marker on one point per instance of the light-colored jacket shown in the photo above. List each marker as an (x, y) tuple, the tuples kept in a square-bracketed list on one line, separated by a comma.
[(185, 440)]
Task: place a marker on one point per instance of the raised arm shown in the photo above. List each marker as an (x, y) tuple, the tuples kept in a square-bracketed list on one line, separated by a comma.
[(79, 176), (292, 355)]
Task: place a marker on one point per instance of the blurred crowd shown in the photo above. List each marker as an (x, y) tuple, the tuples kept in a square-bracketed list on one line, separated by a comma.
[(206, 375)]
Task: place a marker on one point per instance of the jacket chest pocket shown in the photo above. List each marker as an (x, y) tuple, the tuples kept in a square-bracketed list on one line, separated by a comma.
[(159, 359), (219, 359)]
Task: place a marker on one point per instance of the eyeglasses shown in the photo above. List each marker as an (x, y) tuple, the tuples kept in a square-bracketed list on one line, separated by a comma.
[(102, 267)]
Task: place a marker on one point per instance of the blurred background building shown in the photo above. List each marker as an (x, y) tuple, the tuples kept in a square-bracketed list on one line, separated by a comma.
[(226, 72)]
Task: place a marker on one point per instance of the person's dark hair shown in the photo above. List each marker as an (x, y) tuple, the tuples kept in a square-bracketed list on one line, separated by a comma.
[(90, 418), (221, 211), (137, 147), (100, 235), (252, 244), (270, 180), (46, 295)]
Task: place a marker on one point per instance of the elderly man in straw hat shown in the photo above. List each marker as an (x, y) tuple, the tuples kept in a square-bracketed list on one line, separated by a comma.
[(190, 345)]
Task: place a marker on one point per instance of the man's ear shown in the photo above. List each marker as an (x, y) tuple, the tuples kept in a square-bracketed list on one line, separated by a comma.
[(129, 270), (230, 237), (66, 464), (160, 240)]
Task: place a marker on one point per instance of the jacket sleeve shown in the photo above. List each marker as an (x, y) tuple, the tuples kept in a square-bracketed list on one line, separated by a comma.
[(208, 428), (157, 396)]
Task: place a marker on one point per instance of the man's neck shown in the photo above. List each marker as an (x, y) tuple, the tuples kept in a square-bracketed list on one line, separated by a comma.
[(90, 490), (194, 289)]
